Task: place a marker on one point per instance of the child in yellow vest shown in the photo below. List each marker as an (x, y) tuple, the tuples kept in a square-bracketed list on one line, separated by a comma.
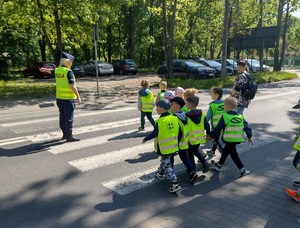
[(197, 127), (162, 88), (166, 133), (145, 104), (214, 113), (233, 125), (295, 194)]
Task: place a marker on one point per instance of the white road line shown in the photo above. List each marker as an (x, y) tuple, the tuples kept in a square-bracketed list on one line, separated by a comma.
[(105, 159), (80, 130), (12, 141), (66, 147), (138, 180), (56, 118)]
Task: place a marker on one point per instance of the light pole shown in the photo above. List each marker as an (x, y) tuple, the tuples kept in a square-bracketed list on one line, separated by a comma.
[(225, 38)]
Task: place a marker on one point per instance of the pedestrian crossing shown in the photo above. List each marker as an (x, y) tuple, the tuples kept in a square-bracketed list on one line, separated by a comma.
[(123, 183)]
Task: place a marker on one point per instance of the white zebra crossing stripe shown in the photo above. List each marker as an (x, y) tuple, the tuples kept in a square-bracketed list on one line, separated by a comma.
[(80, 130), (105, 159), (66, 147), (85, 114), (138, 180), (12, 141)]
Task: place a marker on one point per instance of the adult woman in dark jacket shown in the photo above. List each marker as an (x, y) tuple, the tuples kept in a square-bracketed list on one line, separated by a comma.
[(240, 82)]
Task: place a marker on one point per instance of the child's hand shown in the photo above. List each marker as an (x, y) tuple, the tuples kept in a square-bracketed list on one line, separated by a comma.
[(296, 138), (208, 138), (250, 140)]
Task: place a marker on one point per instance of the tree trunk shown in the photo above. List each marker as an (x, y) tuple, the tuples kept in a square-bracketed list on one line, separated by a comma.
[(277, 66), (282, 58)]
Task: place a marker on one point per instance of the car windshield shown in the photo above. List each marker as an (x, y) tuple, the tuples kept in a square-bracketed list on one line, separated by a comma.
[(213, 63), (194, 64), (253, 61), (231, 62)]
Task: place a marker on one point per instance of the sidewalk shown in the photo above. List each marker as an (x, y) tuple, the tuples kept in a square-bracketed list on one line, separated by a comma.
[(257, 200)]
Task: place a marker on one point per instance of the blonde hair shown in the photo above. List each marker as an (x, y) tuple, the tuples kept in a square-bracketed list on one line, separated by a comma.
[(163, 85), (189, 92), (65, 61), (230, 102), (145, 83)]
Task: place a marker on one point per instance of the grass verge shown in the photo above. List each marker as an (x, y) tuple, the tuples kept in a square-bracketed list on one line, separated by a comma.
[(18, 87)]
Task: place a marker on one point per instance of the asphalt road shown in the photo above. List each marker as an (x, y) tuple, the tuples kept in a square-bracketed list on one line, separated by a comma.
[(106, 180)]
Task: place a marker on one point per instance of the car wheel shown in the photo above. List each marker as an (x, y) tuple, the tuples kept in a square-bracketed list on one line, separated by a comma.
[(94, 73), (134, 73)]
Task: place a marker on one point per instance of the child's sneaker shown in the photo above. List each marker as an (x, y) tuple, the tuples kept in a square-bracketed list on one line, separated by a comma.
[(141, 129), (211, 153), (296, 183), (174, 187), (193, 177), (205, 167), (159, 175), (293, 194), (216, 165), (245, 172)]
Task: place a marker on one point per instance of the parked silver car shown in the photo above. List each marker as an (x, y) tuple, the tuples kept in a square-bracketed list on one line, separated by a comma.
[(254, 66), (104, 68)]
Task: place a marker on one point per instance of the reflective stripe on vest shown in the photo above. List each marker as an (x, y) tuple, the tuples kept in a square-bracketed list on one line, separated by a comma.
[(147, 102), (217, 112), (167, 139), (63, 89), (184, 141), (234, 128), (196, 131)]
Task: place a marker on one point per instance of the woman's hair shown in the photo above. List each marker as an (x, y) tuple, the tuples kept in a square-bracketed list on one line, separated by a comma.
[(219, 91), (243, 63), (189, 92), (145, 83)]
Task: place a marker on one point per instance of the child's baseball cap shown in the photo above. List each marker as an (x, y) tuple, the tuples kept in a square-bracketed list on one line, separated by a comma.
[(297, 105), (179, 90), (165, 104), (179, 101), (169, 94)]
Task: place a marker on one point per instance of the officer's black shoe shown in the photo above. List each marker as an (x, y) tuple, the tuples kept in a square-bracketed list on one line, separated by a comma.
[(71, 137), (65, 135)]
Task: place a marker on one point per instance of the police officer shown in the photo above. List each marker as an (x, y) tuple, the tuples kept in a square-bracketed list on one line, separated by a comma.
[(66, 95)]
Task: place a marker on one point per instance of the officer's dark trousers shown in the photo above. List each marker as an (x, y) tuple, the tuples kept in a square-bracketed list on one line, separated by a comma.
[(66, 114)]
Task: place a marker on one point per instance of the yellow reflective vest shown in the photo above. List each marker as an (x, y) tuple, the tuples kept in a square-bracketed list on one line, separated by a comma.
[(297, 143), (147, 102), (233, 131), (167, 139), (197, 131), (63, 89), (217, 111), (184, 141)]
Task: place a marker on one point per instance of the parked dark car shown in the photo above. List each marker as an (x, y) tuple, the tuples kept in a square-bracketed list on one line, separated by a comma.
[(229, 63), (187, 69), (37, 69), (124, 66), (77, 69), (217, 66)]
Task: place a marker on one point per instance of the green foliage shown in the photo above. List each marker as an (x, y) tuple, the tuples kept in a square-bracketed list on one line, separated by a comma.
[(227, 82), (25, 88)]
